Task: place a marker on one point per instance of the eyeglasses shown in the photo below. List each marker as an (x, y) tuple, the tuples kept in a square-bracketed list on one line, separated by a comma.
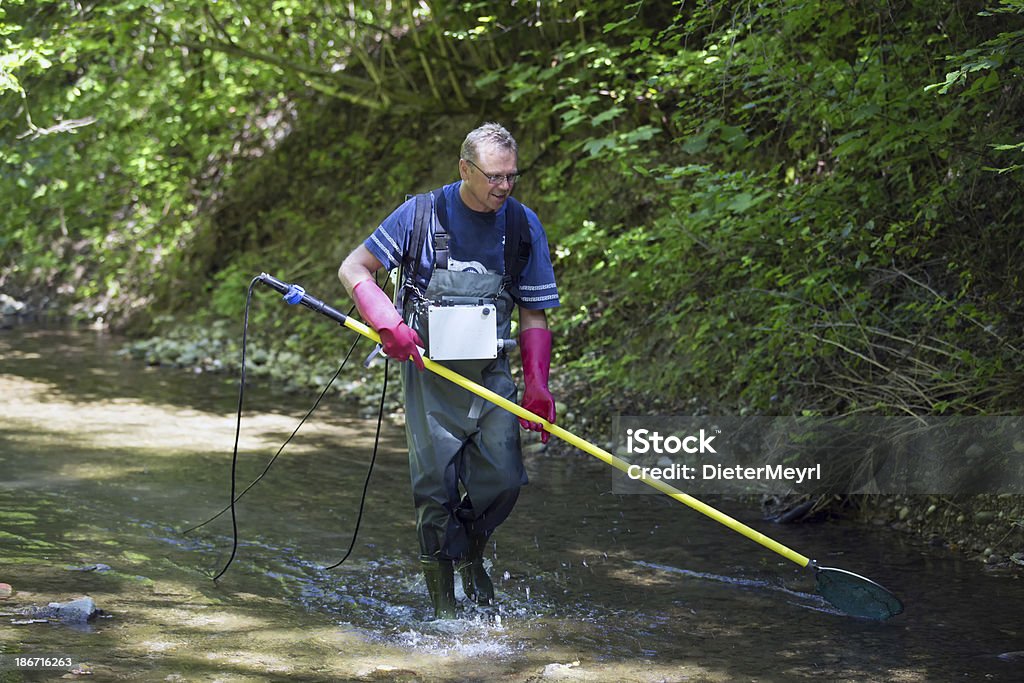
[(496, 179)]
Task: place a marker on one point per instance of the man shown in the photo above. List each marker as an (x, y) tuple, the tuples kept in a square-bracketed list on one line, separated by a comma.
[(487, 249)]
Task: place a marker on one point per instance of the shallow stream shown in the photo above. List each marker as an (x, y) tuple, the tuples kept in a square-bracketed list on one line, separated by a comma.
[(104, 461)]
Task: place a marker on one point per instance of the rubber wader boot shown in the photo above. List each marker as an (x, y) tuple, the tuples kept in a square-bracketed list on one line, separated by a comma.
[(440, 576), (475, 582)]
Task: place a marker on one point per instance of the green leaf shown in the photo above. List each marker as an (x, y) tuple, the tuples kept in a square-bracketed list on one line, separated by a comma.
[(597, 146), (606, 115)]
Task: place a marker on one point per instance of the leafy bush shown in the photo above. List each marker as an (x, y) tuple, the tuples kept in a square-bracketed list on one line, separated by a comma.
[(780, 207)]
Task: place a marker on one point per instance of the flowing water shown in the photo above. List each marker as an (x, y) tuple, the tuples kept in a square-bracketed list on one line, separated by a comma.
[(103, 462)]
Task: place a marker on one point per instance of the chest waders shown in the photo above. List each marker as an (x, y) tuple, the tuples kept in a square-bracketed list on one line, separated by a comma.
[(465, 458)]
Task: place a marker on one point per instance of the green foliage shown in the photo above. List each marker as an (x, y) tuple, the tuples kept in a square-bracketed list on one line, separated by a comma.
[(776, 207), (991, 73), (811, 240)]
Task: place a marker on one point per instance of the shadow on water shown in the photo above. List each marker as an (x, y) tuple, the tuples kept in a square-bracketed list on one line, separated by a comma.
[(104, 461)]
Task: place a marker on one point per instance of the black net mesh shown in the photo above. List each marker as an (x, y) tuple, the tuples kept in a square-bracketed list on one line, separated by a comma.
[(856, 595)]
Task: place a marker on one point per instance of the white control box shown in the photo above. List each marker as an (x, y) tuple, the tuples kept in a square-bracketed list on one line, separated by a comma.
[(463, 332)]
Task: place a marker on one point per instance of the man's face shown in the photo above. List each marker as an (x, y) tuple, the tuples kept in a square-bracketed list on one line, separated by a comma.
[(477, 192)]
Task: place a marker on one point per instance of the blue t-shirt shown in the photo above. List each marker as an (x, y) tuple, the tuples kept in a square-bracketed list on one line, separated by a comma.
[(476, 243)]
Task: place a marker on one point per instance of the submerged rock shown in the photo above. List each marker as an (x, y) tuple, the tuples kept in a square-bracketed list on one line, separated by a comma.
[(80, 611), (98, 567), (1011, 656), (556, 670), (11, 306)]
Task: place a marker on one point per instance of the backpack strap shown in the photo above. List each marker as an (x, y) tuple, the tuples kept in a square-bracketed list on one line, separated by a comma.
[(517, 240), (413, 279), (441, 234)]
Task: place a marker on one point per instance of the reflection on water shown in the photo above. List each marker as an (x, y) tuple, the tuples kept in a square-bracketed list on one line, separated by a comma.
[(104, 461), (807, 600)]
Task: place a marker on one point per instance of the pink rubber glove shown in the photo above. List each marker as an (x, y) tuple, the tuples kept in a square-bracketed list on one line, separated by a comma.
[(398, 339), (535, 347)]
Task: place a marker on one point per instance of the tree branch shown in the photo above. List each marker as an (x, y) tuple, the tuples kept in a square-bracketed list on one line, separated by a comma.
[(334, 84), (70, 126)]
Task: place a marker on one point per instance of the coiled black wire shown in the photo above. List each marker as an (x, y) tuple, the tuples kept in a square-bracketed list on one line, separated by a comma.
[(238, 426)]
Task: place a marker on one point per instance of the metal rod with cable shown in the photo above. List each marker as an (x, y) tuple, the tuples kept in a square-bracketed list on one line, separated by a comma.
[(852, 593)]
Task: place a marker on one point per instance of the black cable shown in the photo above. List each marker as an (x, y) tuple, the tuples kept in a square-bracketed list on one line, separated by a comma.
[(238, 426), (270, 463), (369, 471), (238, 429)]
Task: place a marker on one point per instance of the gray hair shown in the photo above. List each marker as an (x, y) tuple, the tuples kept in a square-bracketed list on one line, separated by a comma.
[(489, 133)]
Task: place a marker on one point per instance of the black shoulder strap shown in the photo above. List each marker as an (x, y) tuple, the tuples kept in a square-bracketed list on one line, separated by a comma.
[(427, 204), (441, 235), (517, 240), (418, 239)]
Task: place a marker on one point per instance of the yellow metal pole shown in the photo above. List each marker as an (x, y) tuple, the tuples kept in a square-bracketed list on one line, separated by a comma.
[(595, 451)]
